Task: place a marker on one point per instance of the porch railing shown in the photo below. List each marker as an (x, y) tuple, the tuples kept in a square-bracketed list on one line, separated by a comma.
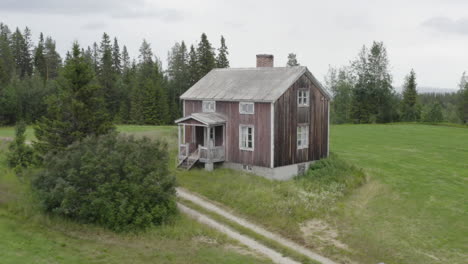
[(184, 150), (211, 154)]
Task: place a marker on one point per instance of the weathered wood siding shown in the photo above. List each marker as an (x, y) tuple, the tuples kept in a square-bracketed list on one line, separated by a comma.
[(287, 117), (261, 121)]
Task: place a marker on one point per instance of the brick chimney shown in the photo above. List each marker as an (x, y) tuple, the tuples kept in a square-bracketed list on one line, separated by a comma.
[(264, 60)]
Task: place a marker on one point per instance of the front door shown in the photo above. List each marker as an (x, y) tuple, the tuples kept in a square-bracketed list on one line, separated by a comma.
[(211, 137)]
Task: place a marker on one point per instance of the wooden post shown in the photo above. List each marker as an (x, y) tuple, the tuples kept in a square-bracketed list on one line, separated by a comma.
[(178, 139)]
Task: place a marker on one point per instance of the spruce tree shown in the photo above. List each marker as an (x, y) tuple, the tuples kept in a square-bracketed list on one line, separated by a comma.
[(53, 60), (463, 99), (116, 58), (106, 75), (206, 57), (222, 60), (40, 63), (409, 108), (75, 111), (21, 52), (126, 63), (149, 100), (128, 80), (292, 60), (6, 55), (178, 77), (96, 56), (192, 65)]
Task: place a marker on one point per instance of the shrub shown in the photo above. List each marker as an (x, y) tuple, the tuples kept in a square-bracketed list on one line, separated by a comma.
[(115, 181), (327, 180), (20, 155)]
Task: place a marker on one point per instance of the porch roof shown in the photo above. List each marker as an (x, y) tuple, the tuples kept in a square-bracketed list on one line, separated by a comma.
[(206, 119)]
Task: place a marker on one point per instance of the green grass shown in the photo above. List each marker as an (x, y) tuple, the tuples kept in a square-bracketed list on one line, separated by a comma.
[(415, 210), (285, 251), (29, 236), (281, 206), (412, 209), (9, 132)]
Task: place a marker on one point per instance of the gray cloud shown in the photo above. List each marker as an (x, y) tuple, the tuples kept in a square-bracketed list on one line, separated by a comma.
[(445, 24), (128, 9), (94, 25), (168, 15)]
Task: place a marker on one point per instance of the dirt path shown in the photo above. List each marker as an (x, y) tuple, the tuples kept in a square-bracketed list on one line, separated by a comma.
[(206, 204), (249, 242)]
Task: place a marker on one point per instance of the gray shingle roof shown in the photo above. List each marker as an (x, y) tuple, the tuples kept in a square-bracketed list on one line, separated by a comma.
[(246, 84), (205, 118)]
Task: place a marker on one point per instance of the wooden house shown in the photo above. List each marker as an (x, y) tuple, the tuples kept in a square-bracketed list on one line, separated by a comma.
[(271, 121)]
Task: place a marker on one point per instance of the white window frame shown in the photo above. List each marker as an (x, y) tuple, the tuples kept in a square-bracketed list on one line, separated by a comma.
[(241, 145), (242, 111), (302, 139), (303, 97), (209, 106)]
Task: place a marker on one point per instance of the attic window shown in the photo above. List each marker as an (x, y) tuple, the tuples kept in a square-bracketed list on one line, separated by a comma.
[(246, 108), (303, 98), (209, 106)]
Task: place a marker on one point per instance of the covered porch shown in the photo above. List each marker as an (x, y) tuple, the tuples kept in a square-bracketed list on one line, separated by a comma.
[(201, 138)]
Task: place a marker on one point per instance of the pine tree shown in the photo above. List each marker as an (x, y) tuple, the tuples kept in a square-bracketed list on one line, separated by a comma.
[(206, 57), (292, 60), (116, 58), (178, 77), (76, 111), (96, 57), (409, 108), (126, 64), (463, 99), (149, 101), (107, 76), (53, 60), (128, 80), (21, 47), (193, 68), (222, 60), (40, 63), (27, 53), (6, 55)]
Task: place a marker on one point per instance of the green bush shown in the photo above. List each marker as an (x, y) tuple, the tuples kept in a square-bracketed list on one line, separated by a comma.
[(115, 181), (327, 180), (21, 155)]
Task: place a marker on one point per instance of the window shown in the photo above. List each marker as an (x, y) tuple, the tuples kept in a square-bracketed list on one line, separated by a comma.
[(303, 98), (302, 136), (246, 137), (246, 108), (209, 106)]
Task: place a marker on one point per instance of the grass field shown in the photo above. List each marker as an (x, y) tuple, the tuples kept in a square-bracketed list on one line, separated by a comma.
[(412, 209), (415, 208), (29, 236)]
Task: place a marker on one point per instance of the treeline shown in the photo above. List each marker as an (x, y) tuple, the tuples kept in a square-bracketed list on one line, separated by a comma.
[(135, 90), (363, 93)]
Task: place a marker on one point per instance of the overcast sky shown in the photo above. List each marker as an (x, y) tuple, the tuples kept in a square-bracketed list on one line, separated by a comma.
[(430, 36)]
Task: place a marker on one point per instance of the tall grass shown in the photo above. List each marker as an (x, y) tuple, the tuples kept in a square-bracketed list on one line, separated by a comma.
[(327, 181)]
